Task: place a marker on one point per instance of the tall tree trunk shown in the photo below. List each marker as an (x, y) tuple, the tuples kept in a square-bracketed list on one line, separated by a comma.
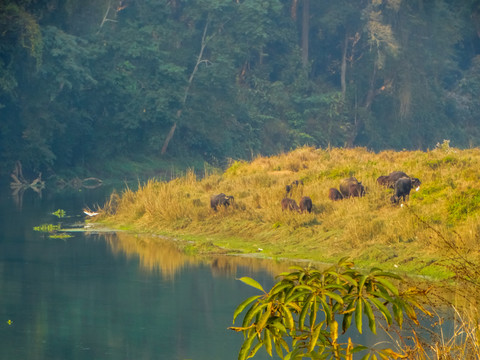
[(343, 70), (305, 31), (187, 88), (293, 9)]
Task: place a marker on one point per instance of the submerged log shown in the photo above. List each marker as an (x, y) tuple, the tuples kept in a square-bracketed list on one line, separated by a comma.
[(20, 182)]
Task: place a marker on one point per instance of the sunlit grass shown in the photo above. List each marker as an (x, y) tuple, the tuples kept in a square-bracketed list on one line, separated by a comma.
[(416, 238)]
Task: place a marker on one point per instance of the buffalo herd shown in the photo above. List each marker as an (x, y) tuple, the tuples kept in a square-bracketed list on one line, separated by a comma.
[(400, 182)]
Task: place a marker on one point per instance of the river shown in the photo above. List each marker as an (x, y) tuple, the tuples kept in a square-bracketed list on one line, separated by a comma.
[(106, 295)]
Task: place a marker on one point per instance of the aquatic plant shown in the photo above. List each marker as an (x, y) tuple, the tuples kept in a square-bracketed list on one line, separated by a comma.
[(47, 228), (60, 213)]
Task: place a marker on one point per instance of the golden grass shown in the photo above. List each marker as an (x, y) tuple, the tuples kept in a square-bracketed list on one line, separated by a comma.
[(439, 225)]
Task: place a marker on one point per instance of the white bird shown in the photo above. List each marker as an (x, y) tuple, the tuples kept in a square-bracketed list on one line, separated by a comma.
[(90, 213)]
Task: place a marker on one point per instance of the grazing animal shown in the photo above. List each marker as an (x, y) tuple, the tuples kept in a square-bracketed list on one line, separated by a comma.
[(334, 194), (382, 180), (416, 183), (402, 189), (392, 178), (351, 187), (289, 188), (221, 200), (306, 204), (289, 204)]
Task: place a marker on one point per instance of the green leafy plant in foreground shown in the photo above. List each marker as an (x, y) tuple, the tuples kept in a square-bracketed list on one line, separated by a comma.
[(299, 317)]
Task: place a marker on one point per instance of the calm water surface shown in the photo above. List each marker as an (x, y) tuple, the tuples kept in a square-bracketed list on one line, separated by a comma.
[(113, 295)]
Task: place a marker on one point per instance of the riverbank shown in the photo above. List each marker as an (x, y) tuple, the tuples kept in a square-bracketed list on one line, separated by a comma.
[(432, 235)]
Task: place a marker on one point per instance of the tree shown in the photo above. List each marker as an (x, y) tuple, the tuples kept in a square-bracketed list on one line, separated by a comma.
[(304, 307)]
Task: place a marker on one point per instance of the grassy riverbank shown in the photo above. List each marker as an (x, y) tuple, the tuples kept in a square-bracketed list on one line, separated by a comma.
[(438, 229)]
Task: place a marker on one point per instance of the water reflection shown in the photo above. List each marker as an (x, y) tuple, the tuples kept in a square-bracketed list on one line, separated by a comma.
[(159, 254)]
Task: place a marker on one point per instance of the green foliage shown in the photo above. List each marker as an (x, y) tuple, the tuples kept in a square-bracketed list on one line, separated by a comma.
[(60, 213), (76, 89), (300, 316), (47, 228)]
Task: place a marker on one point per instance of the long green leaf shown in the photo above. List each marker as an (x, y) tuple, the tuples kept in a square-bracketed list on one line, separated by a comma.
[(288, 318), (361, 284), (314, 338), (267, 340), (398, 314), (388, 274), (410, 311), (366, 357), (347, 321), (304, 311), (251, 282), (278, 348), (245, 349), (313, 313), (279, 287), (371, 318), (334, 296), (255, 349), (326, 310), (243, 305), (284, 344), (279, 326), (383, 309), (393, 289), (295, 296), (349, 279), (251, 313), (263, 319), (358, 315)]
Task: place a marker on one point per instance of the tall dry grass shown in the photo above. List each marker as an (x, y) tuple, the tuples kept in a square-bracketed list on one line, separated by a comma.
[(370, 229)]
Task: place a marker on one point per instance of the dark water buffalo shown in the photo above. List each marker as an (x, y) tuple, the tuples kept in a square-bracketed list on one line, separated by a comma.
[(221, 200), (289, 188), (416, 183), (334, 194), (402, 189), (289, 204), (351, 187), (306, 204), (390, 180), (383, 180)]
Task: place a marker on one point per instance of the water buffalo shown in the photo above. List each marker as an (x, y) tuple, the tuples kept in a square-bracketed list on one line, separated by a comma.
[(221, 200), (289, 188), (351, 187), (402, 189), (390, 179), (334, 194), (383, 180), (306, 204), (289, 204), (416, 183)]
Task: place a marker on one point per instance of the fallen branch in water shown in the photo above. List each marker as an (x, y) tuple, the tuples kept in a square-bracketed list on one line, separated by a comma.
[(19, 181)]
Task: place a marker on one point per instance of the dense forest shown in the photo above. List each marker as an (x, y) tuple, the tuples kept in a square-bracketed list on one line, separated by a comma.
[(84, 81)]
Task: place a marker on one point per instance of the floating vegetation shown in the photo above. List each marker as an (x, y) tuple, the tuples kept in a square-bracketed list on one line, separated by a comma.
[(47, 228), (60, 236), (60, 213)]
